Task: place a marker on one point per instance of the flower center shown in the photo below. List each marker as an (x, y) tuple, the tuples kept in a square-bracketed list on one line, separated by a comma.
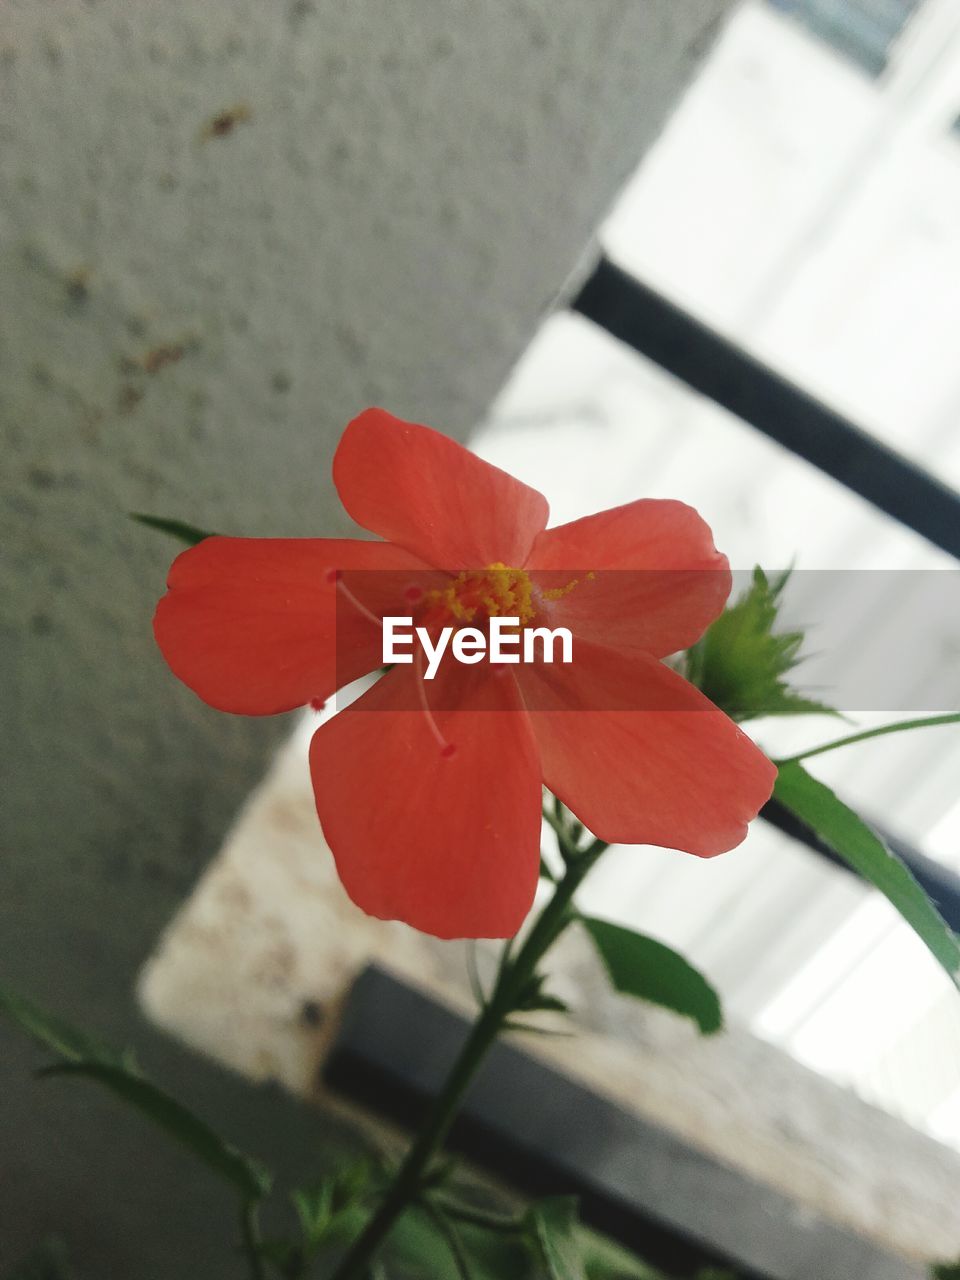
[(477, 594), (498, 591)]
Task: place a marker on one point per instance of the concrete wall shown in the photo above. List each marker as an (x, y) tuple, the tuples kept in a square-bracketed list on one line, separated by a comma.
[(224, 228)]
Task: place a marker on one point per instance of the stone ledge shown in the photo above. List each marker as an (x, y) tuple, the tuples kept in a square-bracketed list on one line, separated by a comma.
[(253, 969)]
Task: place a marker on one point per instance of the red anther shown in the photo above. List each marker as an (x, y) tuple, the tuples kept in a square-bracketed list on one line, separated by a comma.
[(449, 750), (413, 594), (317, 704), (334, 575)]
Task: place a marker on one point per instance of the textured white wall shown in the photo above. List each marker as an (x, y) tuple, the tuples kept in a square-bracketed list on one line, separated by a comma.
[(189, 318)]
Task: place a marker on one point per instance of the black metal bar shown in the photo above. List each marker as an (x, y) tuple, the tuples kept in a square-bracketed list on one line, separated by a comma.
[(717, 368), (668, 1200), (721, 370)]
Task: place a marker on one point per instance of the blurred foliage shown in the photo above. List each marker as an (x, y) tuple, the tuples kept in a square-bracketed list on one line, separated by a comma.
[(82, 1056)]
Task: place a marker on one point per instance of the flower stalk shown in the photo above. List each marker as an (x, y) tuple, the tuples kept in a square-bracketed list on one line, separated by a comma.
[(507, 996), (250, 1236)]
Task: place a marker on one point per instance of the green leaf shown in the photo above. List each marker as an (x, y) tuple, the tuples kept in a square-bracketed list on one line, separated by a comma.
[(550, 1004), (48, 1262), (449, 1231), (946, 1271), (534, 999), (59, 1037), (248, 1176), (741, 662), (642, 967), (554, 1223), (850, 837), (325, 1209), (491, 1256), (602, 1258), (85, 1056), (605, 1260), (178, 529), (417, 1249), (314, 1206)]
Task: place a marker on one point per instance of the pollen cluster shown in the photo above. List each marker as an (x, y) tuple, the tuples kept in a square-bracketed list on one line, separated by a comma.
[(495, 592)]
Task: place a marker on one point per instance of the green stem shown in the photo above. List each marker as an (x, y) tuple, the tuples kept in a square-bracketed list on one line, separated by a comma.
[(516, 975), (452, 1236), (553, 819), (485, 1218), (250, 1235), (926, 722)]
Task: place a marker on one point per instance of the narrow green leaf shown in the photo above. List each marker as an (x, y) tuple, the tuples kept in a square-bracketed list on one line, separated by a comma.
[(550, 1004), (642, 967), (51, 1033), (555, 1224), (925, 722), (48, 1262), (85, 1056), (249, 1177), (534, 999), (178, 529), (850, 837)]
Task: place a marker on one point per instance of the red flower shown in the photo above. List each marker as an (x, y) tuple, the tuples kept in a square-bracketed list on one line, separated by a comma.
[(430, 794)]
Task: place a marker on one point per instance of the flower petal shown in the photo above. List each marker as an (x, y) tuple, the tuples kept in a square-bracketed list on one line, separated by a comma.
[(668, 768), (425, 492), (656, 584), (446, 839), (253, 626)]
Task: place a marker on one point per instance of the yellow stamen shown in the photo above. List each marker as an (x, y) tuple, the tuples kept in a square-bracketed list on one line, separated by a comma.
[(557, 593), (496, 591)]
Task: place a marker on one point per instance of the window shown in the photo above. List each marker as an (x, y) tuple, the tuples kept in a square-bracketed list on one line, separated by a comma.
[(862, 30), (808, 215)]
